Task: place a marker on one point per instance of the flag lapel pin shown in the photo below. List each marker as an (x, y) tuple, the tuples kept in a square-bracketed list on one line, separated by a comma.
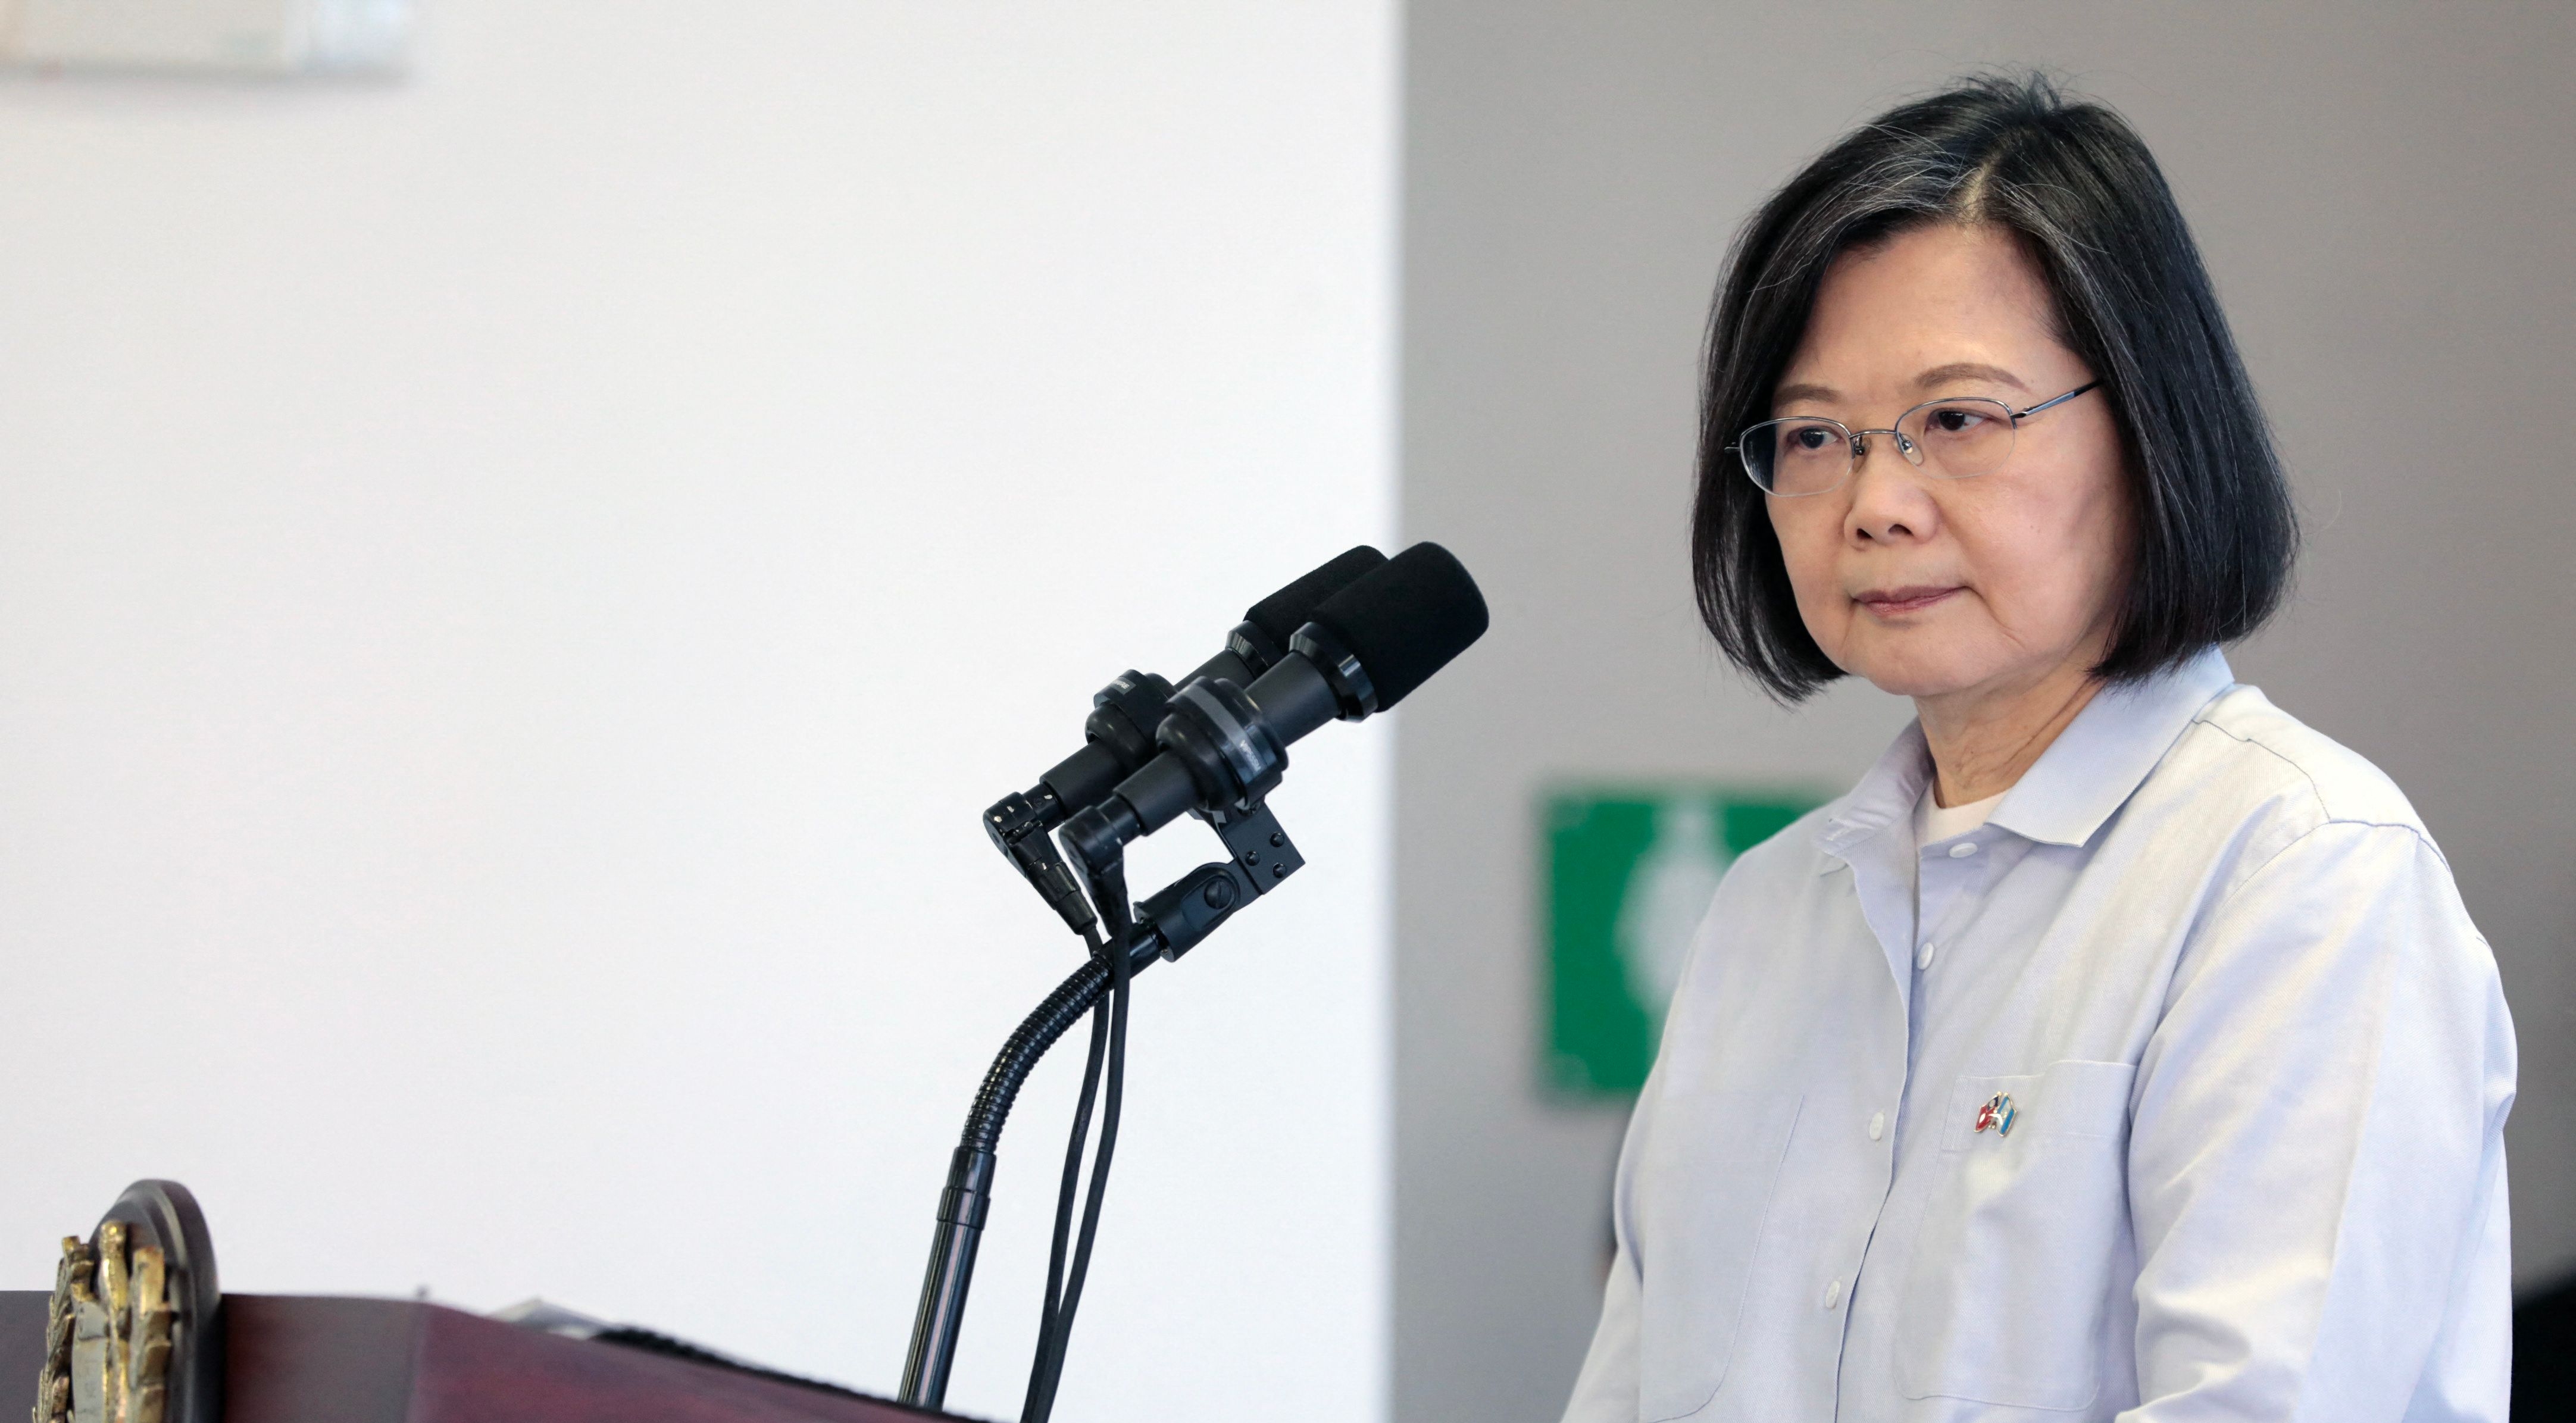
[(1997, 1114)]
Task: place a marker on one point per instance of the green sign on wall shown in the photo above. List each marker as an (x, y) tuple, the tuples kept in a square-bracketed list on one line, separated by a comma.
[(1629, 874)]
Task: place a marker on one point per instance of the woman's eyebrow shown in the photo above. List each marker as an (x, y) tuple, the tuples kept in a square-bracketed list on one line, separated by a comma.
[(1967, 370), (1803, 390)]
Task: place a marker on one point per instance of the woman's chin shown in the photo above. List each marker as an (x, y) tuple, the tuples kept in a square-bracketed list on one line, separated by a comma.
[(1917, 677)]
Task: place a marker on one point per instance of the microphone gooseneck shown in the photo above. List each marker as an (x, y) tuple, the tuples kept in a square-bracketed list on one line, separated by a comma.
[(967, 1199)]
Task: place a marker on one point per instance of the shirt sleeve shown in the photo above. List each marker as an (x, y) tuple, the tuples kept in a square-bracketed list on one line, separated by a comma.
[(1607, 1389), (2316, 1157)]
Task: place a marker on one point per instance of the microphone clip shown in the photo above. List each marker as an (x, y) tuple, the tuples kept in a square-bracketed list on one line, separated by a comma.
[(1190, 908)]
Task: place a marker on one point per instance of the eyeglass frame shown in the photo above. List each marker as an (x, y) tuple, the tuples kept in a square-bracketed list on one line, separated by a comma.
[(1860, 444)]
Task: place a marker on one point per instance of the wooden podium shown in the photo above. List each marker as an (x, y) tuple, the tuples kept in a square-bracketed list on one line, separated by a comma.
[(304, 1359), (191, 1354)]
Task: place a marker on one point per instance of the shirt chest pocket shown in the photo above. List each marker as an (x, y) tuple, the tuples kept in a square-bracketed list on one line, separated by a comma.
[(1704, 1190), (2013, 1263)]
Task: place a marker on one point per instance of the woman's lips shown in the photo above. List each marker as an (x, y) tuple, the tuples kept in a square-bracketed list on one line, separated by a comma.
[(1891, 602)]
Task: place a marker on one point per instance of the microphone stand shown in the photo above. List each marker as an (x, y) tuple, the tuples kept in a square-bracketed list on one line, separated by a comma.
[(962, 1206), (1169, 924)]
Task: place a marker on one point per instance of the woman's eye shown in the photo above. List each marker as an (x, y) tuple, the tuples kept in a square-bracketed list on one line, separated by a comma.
[(1951, 420), (1810, 439)]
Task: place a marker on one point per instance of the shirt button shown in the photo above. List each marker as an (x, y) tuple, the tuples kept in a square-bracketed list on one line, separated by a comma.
[(1923, 959), (1963, 849), (1833, 1294), (1877, 1125)]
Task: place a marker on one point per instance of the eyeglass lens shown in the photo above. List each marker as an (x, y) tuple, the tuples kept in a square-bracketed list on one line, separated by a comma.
[(1810, 455)]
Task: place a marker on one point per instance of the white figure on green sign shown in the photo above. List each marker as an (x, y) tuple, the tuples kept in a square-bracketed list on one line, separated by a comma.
[(1668, 894)]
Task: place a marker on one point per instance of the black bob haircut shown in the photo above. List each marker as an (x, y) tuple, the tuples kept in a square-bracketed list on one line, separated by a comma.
[(2215, 532)]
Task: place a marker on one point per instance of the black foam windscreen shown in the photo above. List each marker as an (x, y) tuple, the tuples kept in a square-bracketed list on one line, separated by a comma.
[(1283, 612), (1407, 619)]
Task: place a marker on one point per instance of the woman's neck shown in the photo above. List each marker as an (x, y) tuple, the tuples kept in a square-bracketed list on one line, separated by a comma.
[(1984, 738)]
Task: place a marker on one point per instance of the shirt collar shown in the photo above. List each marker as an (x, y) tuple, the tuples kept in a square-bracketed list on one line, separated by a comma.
[(2085, 774), (1884, 796)]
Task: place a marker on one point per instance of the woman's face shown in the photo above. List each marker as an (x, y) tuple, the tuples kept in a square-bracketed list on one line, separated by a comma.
[(1931, 587)]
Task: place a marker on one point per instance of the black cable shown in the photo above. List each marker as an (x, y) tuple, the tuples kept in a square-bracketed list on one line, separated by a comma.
[(1109, 892), (1065, 1194), (1081, 1268), (1041, 1368)]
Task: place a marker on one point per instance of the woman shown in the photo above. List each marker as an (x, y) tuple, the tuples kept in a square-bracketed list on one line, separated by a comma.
[(2119, 1045)]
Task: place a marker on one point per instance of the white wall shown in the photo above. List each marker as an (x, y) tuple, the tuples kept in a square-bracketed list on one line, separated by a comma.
[(515, 584)]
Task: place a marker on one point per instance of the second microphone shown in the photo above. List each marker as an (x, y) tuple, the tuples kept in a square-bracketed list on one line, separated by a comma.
[(1225, 747)]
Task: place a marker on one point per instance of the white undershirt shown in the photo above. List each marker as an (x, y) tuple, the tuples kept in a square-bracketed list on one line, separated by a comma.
[(1934, 824)]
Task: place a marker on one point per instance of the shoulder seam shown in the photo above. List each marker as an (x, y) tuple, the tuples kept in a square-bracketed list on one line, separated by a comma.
[(2317, 794), (2414, 832), (2314, 790)]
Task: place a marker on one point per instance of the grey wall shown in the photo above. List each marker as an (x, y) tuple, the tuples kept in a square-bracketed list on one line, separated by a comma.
[(2386, 196)]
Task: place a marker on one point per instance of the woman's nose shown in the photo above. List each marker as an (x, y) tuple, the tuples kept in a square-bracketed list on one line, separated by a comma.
[(1889, 501)]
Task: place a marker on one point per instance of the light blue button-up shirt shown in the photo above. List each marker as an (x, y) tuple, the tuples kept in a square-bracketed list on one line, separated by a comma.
[(2176, 1091)]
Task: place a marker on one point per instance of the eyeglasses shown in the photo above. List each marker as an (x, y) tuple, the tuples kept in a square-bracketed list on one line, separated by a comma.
[(1947, 439)]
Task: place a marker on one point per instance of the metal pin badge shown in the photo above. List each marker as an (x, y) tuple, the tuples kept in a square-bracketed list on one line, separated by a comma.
[(1997, 1113)]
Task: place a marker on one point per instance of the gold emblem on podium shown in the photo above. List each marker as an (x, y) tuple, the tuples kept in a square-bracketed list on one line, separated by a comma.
[(107, 1336), (126, 1334)]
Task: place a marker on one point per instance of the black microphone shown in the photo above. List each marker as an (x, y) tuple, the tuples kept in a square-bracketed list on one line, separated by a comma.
[(1225, 743), (1119, 735)]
